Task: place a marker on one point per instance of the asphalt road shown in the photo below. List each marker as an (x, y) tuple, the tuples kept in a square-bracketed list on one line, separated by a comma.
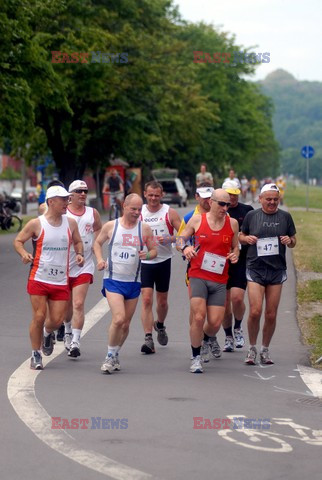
[(157, 397)]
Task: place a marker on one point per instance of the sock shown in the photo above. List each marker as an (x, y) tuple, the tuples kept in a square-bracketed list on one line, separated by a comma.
[(195, 351), (160, 325), (112, 350), (229, 331), (68, 327), (35, 351), (252, 346), (118, 349), (46, 334), (148, 335), (76, 334), (264, 349), (237, 323), (205, 337)]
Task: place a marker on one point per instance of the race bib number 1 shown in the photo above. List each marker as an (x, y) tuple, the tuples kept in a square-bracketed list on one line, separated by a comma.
[(267, 246), (213, 263)]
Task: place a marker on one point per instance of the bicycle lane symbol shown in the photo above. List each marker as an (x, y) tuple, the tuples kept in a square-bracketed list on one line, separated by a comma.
[(270, 441)]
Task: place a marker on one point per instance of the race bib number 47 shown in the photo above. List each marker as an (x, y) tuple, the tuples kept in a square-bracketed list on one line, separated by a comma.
[(267, 246)]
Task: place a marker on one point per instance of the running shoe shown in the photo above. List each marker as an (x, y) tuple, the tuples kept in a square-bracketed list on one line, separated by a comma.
[(239, 338), (117, 365), (68, 340), (109, 364), (148, 346), (36, 362), (265, 358), (60, 333), (196, 365), (229, 344), (162, 334), (74, 350), (214, 347), (205, 351), (48, 344), (251, 356)]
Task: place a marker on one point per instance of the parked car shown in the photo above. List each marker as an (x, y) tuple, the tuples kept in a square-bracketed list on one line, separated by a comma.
[(174, 191), (30, 191)]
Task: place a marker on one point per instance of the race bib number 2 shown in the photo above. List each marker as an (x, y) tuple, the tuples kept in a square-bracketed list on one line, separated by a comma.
[(213, 263)]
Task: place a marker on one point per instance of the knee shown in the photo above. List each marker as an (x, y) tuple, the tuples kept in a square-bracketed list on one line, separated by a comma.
[(163, 303), (198, 319), (119, 320), (270, 316), (255, 313), (238, 302), (147, 302), (78, 305)]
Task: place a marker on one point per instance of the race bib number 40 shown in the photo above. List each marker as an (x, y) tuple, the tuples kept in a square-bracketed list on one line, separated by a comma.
[(125, 255), (267, 246), (213, 263)]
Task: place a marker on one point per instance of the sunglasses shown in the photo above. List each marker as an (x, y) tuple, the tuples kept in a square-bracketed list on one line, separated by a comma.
[(81, 190), (222, 204)]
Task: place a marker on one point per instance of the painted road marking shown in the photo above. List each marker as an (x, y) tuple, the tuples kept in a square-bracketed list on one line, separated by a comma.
[(21, 393)]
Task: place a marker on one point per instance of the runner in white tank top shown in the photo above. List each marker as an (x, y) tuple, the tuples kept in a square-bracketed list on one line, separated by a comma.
[(89, 225), (52, 234), (156, 273), (121, 286)]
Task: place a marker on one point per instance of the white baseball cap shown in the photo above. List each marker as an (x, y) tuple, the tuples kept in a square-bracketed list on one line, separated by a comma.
[(56, 191), (270, 187), (76, 184), (231, 187), (205, 192)]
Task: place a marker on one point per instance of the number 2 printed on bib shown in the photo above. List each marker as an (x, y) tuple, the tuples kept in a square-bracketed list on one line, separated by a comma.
[(213, 263)]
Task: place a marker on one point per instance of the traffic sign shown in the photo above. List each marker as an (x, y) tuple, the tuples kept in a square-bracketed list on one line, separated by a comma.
[(307, 151)]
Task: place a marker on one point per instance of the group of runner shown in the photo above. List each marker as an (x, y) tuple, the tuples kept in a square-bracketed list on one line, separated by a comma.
[(227, 245)]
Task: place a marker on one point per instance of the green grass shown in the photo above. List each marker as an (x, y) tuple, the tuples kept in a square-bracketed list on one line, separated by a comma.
[(313, 336), (310, 291), (308, 253), (296, 196)]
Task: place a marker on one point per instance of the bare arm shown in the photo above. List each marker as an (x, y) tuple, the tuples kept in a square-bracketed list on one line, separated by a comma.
[(189, 230), (247, 239), (234, 253), (150, 244), (77, 242), (175, 221), (104, 234), (97, 225), (289, 241), (30, 230)]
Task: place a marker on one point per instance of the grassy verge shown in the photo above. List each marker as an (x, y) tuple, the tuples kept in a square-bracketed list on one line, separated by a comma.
[(307, 257)]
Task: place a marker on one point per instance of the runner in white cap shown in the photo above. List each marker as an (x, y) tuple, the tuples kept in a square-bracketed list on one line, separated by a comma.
[(267, 231), (89, 225)]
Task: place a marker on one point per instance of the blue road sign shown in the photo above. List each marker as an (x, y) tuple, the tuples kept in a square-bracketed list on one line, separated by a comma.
[(307, 151)]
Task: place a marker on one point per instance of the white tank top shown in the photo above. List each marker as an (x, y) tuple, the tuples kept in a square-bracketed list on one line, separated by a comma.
[(160, 225), (51, 253), (85, 224), (123, 263)]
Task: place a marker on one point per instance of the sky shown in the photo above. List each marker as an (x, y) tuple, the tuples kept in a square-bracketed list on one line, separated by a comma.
[(290, 30)]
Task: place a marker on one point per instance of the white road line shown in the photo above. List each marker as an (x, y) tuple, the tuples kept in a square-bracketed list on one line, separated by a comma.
[(312, 379), (21, 393)]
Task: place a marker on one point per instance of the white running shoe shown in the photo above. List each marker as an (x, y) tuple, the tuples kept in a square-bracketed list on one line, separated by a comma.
[(229, 344), (109, 364), (68, 340), (74, 350), (239, 338), (196, 365), (205, 351), (214, 347)]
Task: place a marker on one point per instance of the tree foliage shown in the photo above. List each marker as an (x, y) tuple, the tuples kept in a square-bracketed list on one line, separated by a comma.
[(297, 121), (158, 109)]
